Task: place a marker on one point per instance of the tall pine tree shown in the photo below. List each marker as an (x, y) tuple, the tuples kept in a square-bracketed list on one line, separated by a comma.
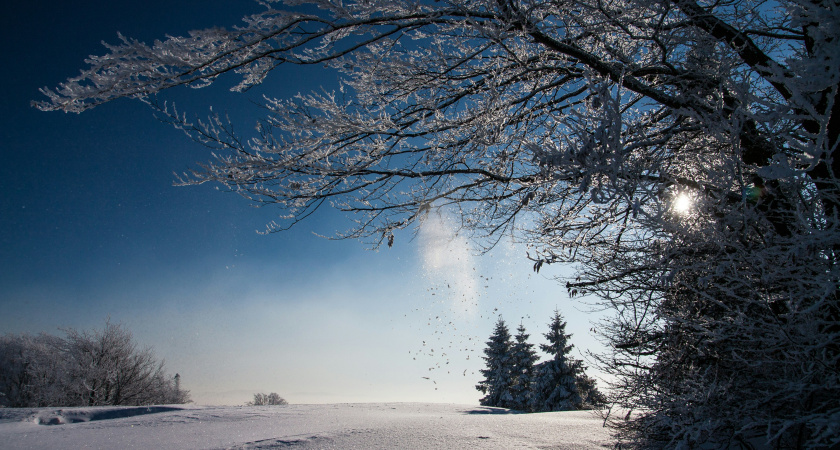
[(524, 357), (498, 376), (555, 387)]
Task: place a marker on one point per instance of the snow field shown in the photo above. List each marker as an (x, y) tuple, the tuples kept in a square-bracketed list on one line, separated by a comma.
[(339, 426)]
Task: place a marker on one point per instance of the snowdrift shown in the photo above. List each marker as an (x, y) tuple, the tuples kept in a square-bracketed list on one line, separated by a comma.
[(76, 415)]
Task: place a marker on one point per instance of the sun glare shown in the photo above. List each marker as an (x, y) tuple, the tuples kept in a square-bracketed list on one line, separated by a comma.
[(682, 203)]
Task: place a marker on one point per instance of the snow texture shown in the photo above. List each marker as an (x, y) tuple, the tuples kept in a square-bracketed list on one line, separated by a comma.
[(369, 425)]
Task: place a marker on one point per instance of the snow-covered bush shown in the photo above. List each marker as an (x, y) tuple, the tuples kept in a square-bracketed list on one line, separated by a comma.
[(272, 399)]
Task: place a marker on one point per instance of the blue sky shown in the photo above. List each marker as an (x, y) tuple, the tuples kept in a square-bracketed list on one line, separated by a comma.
[(91, 227)]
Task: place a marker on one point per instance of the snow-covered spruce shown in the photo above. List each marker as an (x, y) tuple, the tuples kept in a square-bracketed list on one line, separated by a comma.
[(523, 358), (555, 386), (499, 373), (512, 380)]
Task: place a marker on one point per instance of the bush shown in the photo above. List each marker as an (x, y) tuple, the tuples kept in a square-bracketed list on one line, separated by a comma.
[(272, 399)]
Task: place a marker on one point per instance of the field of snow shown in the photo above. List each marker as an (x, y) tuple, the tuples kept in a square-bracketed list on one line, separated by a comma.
[(365, 425)]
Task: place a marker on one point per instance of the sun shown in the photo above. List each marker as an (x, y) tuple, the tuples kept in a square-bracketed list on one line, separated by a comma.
[(682, 203)]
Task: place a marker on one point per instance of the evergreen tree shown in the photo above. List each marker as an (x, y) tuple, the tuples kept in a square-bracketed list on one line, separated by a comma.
[(498, 381), (524, 357), (555, 387)]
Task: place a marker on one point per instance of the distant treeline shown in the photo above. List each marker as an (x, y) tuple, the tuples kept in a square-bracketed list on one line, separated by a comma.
[(514, 379), (89, 368)]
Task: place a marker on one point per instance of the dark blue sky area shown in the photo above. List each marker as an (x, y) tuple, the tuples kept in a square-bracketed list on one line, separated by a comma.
[(89, 217), (94, 191)]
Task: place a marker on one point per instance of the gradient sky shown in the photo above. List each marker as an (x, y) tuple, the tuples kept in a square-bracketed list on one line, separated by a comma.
[(91, 227)]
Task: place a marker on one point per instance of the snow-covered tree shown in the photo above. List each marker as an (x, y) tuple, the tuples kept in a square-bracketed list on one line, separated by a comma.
[(682, 154), (33, 372), (88, 368), (555, 387), (499, 376), (109, 369), (523, 357), (13, 376)]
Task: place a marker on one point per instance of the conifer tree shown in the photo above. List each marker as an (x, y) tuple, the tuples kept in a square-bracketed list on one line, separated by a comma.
[(498, 381), (524, 357), (555, 387)]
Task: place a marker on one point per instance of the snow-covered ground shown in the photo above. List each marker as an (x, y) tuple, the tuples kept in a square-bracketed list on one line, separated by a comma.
[(364, 426)]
